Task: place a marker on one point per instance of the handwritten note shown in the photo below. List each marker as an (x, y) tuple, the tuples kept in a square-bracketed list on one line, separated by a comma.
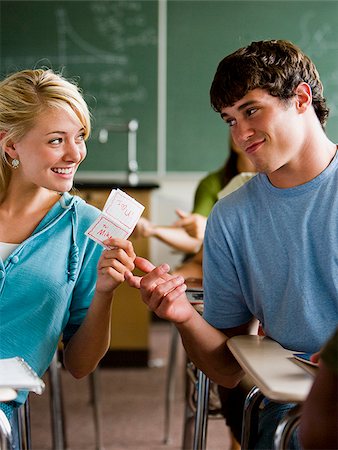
[(119, 217)]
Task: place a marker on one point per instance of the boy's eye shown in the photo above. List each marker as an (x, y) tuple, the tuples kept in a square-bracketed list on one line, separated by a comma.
[(230, 122), (251, 111)]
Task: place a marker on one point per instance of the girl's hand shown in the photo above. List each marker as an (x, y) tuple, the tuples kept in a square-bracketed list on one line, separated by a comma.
[(113, 264)]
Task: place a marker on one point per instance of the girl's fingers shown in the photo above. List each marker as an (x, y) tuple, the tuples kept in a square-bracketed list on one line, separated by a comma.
[(118, 265), (124, 244)]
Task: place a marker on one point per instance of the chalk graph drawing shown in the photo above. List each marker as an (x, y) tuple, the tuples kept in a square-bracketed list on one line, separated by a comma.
[(110, 75), (101, 43), (318, 40)]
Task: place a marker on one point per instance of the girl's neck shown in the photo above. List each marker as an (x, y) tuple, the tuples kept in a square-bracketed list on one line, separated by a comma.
[(28, 201)]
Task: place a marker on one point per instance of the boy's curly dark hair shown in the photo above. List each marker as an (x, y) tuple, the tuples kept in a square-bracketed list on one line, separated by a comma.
[(278, 66)]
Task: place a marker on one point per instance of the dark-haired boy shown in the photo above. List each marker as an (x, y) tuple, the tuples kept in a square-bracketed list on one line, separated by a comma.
[(270, 249)]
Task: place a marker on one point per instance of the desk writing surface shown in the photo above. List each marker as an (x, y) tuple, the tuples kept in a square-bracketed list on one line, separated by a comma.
[(271, 367), (7, 394)]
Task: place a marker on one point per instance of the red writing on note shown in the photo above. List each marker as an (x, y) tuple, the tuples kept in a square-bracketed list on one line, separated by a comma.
[(103, 228), (123, 208), (118, 218), (127, 211)]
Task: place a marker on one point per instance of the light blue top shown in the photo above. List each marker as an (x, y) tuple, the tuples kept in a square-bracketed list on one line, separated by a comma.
[(273, 253), (47, 284)]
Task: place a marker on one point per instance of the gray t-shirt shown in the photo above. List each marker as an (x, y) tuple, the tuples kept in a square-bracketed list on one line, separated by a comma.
[(273, 254)]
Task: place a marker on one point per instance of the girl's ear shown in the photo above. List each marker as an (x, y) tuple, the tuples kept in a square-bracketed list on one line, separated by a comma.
[(8, 145), (303, 96)]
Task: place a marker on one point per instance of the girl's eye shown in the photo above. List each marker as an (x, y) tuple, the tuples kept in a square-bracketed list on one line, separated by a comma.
[(55, 141), (81, 137)]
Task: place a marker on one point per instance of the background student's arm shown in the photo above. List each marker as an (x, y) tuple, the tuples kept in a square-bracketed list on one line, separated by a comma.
[(174, 236), (194, 224)]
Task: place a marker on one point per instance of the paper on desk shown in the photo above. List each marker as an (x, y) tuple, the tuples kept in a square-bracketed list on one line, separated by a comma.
[(119, 217)]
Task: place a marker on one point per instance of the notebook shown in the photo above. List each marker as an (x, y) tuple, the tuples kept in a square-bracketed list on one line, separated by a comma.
[(17, 374)]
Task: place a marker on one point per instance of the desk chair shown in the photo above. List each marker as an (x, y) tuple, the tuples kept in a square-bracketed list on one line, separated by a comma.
[(24, 430), (5, 432), (198, 408), (56, 405), (57, 408), (201, 404), (277, 378), (284, 429)]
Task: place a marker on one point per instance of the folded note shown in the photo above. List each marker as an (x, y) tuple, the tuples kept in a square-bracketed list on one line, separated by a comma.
[(119, 217), (15, 373)]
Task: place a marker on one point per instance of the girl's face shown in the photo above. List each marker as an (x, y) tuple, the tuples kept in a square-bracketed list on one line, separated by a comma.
[(51, 151)]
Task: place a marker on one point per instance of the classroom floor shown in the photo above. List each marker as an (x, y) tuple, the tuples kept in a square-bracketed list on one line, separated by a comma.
[(132, 406)]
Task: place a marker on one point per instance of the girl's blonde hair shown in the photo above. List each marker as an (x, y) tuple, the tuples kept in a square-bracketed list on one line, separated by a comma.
[(26, 94)]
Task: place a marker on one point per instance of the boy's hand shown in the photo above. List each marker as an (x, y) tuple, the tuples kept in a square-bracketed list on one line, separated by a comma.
[(162, 292)]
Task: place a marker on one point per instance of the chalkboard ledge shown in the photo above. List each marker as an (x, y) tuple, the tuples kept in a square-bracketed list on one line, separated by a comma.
[(101, 184)]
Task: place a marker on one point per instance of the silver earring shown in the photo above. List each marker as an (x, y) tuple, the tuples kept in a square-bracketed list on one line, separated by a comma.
[(15, 163)]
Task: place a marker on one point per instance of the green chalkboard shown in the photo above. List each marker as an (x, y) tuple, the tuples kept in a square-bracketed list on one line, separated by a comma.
[(111, 49), (201, 33), (112, 46)]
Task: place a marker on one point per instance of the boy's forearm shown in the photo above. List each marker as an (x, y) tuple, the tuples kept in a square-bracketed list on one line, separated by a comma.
[(207, 348)]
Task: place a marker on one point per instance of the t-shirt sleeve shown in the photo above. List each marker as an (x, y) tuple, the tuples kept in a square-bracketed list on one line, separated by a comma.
[(224, 304)]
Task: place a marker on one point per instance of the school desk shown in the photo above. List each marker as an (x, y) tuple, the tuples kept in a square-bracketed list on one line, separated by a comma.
[(277, 376)]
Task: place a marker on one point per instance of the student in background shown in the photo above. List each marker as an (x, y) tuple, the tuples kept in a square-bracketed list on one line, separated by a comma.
[(54, 280), (319, 415), (192, 267), (187, 233), (265, 255)]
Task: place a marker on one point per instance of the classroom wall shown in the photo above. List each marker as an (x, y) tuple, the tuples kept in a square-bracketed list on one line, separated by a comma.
[(154, 61)]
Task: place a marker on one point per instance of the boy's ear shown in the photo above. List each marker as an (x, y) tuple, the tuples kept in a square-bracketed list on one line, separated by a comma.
[(303, 96)]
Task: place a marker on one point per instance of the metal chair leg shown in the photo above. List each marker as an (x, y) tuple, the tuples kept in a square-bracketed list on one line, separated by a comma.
[(201, 420), (170, 383), (250, 418), (286, 427), (5, 432), (56, 405), (24, 426), (189, 408), (95, 402)]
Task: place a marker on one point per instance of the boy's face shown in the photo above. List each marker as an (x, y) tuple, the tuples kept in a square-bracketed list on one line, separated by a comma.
[(269, 131)]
